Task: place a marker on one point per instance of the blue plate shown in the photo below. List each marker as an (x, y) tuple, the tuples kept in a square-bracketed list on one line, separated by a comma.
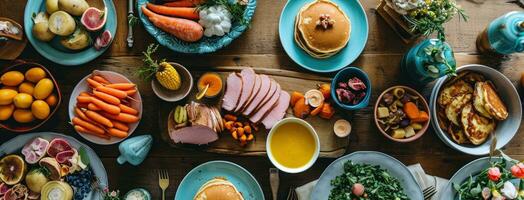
[(53, 50), (204, 45), (15, 145), (355, 46), (392, 165), (240, 177)]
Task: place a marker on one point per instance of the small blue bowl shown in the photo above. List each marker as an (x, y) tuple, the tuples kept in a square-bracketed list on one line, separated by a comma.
[(344, 75)]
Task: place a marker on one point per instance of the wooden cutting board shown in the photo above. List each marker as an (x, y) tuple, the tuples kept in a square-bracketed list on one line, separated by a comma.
[(330, 145)]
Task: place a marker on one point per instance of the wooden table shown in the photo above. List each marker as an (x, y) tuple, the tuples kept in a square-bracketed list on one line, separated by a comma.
[(260, 48)]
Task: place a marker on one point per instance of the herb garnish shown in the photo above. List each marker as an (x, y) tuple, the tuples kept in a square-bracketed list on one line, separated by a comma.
[(236, 9)]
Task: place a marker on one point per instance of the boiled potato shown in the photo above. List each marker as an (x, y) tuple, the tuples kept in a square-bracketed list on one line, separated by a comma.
[(73, 7), (79, 40), (61, 23), (51, 6), (43, 89), (41, 28)]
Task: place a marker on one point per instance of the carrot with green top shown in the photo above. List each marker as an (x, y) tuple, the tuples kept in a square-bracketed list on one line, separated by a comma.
[(183, 29), (183, 12)]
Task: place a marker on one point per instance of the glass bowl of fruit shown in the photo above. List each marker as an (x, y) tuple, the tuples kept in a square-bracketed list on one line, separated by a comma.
[(402, 114)]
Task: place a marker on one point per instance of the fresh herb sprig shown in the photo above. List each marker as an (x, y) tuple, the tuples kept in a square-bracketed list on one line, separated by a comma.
[(150, 65), (378, 183), (235, 9)]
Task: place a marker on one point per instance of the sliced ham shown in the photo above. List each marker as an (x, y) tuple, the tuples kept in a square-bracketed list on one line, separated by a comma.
[(261, 113), (277, 113), (272, 92), (248, 82), (196, 134), (261, 94), (233, 91), (256, 90)]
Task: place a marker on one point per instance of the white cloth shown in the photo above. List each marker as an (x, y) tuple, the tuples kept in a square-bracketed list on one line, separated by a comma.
[(424, 180)]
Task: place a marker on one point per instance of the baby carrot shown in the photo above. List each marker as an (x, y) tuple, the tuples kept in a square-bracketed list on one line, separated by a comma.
[(82, 115), (131, 92), (98, 118), (81, 129), (122, 86), (111, 109), (117, 133), (88, 126), (93, 107), (93, 83), (100, 79), (111, 91), (120, 126), (84, 94), (106, 97), (127, 109), (83, 99), (81, 105), (122, 117)]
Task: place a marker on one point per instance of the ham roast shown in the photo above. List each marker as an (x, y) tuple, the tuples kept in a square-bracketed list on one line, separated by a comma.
[(202, 126), (196, 134), (261, 94), (256, 90), (233, 91), (261, 113), (248, 83), (278, 112)]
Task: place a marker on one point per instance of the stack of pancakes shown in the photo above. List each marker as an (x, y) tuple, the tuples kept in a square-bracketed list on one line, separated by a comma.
[(218, 189), (317, 40), (469, 108)]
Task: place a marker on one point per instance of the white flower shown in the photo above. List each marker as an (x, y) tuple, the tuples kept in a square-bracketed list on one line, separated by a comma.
[(216, 20), (403, 6), (509, 190)]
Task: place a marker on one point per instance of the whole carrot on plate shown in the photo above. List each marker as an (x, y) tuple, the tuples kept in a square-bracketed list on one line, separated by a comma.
[(183, 29), (183, 3), (183, 12), (81, 129)]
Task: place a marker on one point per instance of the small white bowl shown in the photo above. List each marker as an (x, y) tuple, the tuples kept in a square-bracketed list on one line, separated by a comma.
[(83, 87), (174, 95), (311, 131)]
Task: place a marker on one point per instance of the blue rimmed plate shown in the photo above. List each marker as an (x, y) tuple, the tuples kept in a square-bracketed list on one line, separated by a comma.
[(240, 177), (204, 45), (15, 145), (398, 170), (355, 46), (53, 50)]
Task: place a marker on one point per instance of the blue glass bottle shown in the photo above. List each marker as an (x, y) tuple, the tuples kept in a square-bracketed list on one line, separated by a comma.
[(428, 60), (504, 35)]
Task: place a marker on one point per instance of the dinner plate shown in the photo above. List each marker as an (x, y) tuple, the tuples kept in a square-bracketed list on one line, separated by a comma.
[(14, 146), (204, 45), (240, 177), (505, 130), (357, 42), (471, 169), (53, 50), (113, 77), (393, 166)]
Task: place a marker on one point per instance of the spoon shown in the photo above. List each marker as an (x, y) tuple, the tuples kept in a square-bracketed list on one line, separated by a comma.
[(202, 93)]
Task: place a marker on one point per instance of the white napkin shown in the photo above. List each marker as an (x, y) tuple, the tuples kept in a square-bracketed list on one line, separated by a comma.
[(424, 180)]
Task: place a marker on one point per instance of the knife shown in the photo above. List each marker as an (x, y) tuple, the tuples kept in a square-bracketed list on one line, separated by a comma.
[(130, 5)]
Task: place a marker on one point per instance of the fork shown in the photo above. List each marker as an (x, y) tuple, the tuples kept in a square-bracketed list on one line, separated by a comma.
[(274, 181), (163, 182), (292, 195), (429, 192)]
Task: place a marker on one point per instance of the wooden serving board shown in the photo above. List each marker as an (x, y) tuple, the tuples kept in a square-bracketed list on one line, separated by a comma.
[(330, 145)]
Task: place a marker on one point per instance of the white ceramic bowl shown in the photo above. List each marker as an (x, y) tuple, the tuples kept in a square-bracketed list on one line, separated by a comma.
[(83, 87), (311, 131), (505, 130)]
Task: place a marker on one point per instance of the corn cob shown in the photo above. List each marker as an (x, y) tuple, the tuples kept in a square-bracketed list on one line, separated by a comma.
[(167, 76)]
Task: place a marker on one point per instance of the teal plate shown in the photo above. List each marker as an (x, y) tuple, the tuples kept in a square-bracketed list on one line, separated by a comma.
[(355, 46), (240, 177), (204, 45), (53, 50)]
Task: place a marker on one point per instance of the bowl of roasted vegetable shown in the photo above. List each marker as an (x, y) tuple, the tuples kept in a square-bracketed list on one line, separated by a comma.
[(402, 114)]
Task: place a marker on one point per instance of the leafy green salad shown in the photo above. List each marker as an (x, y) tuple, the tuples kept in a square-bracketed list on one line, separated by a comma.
[(364, 181)]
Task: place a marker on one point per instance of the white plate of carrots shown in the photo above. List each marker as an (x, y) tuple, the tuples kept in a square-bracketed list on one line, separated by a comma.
[(105, 107)]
